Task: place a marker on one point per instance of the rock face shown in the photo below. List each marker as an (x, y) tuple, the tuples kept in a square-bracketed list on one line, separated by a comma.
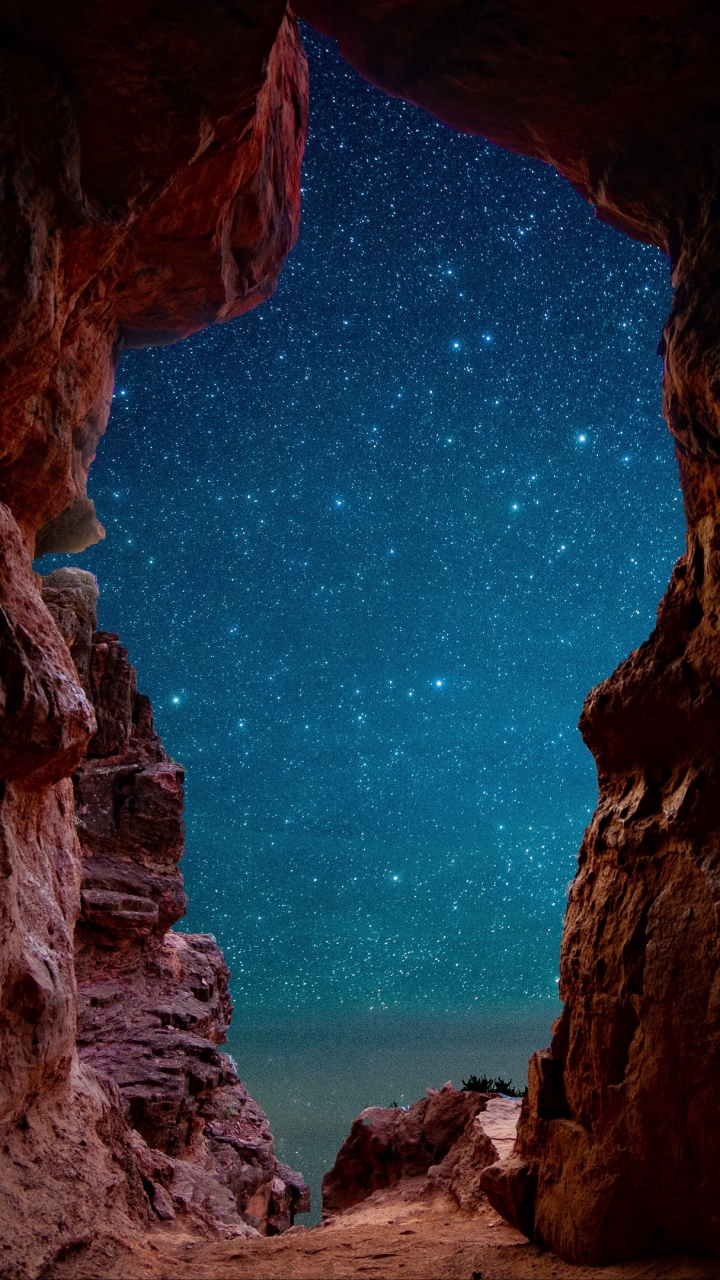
[(618, 1153), (622, 1104), (154, 1006), (588, 92), (442, 1135), (151, 185)]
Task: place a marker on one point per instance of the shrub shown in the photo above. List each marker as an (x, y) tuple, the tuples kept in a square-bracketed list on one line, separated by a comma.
[(485, 1084)]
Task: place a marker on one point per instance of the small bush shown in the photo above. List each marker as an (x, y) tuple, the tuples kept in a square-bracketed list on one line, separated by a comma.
[(485, 1084)]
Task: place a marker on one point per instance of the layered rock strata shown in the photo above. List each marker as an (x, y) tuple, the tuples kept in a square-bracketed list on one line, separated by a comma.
[(154, 1006)]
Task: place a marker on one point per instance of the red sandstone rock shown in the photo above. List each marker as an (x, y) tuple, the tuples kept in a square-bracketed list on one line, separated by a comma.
[(153, 1006), (45, 723), (150, 1017), (452, 1135), (154, 188), (45, 719), (487, 1138), (606, 95), (386, 1144), (151, 185)]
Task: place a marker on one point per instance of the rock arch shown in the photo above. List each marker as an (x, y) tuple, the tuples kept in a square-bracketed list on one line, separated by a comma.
[(151, 186)]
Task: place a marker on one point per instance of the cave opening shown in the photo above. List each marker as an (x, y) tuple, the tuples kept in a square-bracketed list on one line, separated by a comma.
[(369, 547)]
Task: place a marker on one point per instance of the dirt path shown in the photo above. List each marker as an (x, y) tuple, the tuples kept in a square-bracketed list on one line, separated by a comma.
[(404, 1234)]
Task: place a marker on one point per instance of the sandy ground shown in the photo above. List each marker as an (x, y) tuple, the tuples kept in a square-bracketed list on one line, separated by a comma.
[(412, 1232), (403, 1234)]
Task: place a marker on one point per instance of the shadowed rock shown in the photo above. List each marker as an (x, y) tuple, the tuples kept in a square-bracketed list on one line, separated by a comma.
[(618, 1150), (154, 1006), (443, 1135), (151, 186)]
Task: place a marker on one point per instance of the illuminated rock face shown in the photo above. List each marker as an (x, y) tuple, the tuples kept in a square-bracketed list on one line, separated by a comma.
[(151, 186), (154, 1006), (151, 170), (441, 1135)]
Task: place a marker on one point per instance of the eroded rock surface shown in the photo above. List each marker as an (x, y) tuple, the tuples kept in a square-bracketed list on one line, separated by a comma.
[(151, 185), (447, 1135), (621, 1123), (154, 1006), (618, 98), (618, 1151)]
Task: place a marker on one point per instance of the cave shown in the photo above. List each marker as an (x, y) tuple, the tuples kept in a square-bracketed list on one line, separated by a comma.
[(152, 187)]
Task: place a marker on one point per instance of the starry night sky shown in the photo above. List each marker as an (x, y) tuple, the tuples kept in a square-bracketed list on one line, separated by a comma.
[(370, 546)]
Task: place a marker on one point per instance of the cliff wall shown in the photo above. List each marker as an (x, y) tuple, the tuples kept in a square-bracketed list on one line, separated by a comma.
[(151, 163), (618, 1149), (154, 1006), (150, 186)]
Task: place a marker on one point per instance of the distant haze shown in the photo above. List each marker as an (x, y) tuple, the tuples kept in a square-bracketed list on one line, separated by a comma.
[(313, 1075)]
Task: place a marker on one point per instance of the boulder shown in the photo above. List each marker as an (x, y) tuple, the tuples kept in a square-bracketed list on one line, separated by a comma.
[(440, 1135)]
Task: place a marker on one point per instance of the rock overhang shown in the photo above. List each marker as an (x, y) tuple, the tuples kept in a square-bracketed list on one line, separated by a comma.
[(153, 188)]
